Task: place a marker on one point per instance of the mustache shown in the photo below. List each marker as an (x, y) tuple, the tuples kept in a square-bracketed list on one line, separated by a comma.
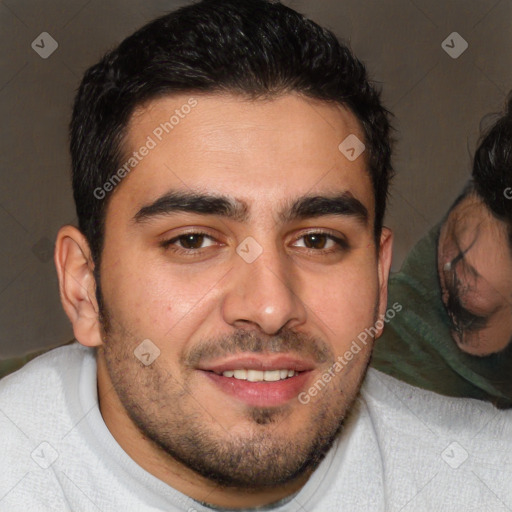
[(286, 342)]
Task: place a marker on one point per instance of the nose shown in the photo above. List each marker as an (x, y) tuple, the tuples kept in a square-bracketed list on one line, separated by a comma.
[(263, 294)]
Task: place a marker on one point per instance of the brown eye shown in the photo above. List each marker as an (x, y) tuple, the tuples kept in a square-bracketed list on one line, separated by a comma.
[(321, 242), (315, 241), (191, 241)]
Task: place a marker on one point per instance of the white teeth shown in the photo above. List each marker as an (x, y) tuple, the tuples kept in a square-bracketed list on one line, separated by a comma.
[(272, 375), (240, 374), (254, 375), (259, 375)]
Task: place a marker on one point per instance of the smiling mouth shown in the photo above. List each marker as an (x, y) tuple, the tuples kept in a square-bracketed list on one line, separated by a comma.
[(267, 380), (259, 375), (260, 388)]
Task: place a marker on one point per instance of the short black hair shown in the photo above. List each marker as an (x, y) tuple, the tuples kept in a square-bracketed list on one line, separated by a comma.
[(254, 48), (492, 166)]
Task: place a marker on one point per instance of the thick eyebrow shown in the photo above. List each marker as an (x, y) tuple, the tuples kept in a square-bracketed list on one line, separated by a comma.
[(344, 204), (201, 204)]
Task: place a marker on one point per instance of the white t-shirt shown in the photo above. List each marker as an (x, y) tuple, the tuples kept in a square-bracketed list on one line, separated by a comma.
[(403, 449)]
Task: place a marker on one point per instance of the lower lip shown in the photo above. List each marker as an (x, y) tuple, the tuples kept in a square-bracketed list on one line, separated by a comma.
[(261, 394)]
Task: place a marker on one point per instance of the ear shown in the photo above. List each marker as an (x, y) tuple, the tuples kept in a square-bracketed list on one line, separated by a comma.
[(384, 264), (77, 285)]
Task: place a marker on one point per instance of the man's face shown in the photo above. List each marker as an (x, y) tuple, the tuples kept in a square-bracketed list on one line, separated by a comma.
[(243, 242), (475, 270)]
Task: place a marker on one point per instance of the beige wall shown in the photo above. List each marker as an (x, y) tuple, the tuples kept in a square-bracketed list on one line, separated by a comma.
[(438, 102)]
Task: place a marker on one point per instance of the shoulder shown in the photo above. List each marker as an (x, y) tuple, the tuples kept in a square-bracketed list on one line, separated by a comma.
[(38, 404), (394, 399), (433, 446), (46, 390), (46, 371), (45, 394)]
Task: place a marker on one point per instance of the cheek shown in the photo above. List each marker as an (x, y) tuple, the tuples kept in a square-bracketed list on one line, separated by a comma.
[(153, 299), (344, 305)]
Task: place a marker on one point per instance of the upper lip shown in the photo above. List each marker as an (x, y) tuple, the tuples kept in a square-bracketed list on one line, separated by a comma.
[(263, 363)]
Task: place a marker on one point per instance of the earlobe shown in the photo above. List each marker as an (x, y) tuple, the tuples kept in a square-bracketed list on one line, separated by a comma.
[(77, 285), (384, 265)]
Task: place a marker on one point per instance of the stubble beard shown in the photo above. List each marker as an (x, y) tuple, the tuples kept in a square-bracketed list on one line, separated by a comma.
[(165, 412)]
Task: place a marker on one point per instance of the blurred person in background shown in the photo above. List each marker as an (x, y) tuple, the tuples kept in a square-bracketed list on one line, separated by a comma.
[(454, 337)]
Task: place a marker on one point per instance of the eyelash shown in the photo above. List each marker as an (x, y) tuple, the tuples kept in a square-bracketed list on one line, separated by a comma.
[(342, 245), (166, 244)]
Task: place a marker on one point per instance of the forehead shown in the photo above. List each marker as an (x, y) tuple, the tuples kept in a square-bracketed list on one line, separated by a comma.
[(263, 152)]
